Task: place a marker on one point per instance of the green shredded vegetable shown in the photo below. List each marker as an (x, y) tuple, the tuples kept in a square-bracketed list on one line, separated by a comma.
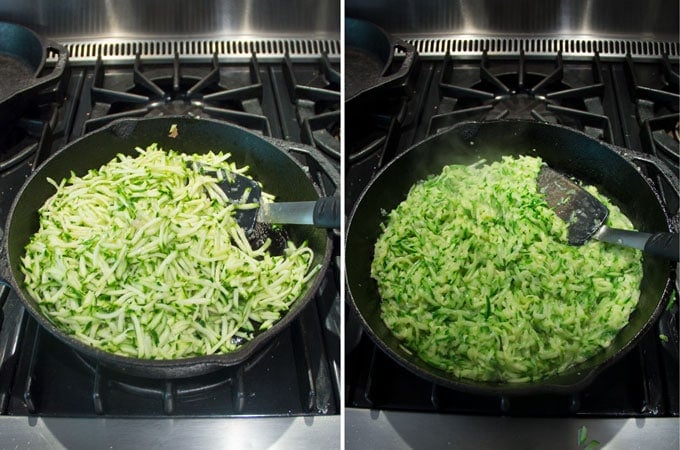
[(477, 278), (143, 258), (582, 435)]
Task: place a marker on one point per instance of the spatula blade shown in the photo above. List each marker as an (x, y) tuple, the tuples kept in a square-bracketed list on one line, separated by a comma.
[(239, 190), (583, 213), (242, 190)]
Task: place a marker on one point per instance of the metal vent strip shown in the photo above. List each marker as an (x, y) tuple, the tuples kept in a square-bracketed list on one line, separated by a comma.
[(607, 48), (126, 50)]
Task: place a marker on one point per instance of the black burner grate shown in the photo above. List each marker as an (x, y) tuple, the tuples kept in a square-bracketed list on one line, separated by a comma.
[(199, 90), (506, 92), (655, 90)]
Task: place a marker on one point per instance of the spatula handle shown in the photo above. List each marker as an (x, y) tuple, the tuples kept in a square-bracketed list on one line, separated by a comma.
[(665, 245), (327, 212), (322, 213)]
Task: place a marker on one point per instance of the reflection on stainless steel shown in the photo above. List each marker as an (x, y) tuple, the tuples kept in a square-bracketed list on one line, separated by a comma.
[(399, 430), (204, 433), (155, 18), (655, 19)]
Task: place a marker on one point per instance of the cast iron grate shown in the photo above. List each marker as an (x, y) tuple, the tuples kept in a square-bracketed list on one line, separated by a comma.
[(655, 89), (378, 382), (21, 137), (202, 92), (523, 94), (317, 101), (244, 389)]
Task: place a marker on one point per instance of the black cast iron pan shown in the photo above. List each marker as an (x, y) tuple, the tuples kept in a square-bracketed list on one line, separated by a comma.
[(268, 161), (22, 58), (368, 59), (612, 169)]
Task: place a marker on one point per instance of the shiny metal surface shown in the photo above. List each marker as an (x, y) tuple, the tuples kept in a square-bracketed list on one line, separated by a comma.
[(288, 212), (650, 20), (320, 432), (571, 48), (157, 30), (164, 50), (577, 28), (65, 20), (399, 430)]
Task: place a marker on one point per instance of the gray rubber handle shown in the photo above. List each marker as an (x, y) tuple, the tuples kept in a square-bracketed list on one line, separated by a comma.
[(327, 212), (663, 244)]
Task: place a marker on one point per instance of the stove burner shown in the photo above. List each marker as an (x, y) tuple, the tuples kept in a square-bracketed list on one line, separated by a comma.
[(523, 95), (235, 96), (520, 102), (176, 108)]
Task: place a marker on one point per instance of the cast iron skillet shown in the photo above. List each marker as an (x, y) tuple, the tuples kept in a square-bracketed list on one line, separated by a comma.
[(611, 169), (368, 57), (22, 57), (280, 174)]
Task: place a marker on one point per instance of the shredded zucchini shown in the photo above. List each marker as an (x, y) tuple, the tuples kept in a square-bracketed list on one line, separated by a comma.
[(477, 278), (143, 258)]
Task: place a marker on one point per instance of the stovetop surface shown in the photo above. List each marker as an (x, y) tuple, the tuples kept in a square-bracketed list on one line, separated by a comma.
[(626, 102), (297, 373)]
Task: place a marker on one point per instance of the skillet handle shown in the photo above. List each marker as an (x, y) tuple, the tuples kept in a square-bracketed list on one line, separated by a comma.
[(406, 65), (327, 212), (663, 170), (59, 67), (666, 176)]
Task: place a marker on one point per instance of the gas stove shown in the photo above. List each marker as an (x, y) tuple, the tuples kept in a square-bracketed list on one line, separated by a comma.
[(622, 99), (288, 391)]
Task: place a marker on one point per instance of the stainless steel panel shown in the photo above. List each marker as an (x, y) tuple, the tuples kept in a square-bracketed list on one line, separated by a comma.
[(399, 430), (70, 19), (322, 432), (164, 50), (653, 19), (536, 46)]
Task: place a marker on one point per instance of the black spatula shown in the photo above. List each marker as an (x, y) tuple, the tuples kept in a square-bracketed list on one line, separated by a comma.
[(585, 216), (323, 213)]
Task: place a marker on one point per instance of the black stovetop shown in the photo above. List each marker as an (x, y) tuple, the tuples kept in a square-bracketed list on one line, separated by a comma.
[(298, 372), (630, 103)]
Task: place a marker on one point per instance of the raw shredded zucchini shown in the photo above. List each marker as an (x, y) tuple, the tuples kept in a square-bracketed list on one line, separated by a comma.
[(476, 276), (143, 258)]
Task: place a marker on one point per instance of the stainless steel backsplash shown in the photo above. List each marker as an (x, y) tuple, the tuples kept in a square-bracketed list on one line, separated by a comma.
[(628, 19), (69, 20), (119, 29)]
